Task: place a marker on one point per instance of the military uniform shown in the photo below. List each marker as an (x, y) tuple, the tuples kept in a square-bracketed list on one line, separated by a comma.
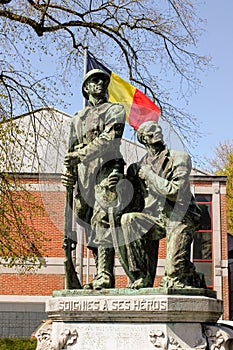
[(97, 132), (169, 211)]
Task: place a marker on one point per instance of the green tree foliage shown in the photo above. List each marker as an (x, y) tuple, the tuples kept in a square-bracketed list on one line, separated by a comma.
[(222, 164), (41, 59)]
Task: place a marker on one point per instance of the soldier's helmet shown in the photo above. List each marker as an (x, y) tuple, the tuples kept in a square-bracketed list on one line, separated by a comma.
[(90, 74), (150, 132)]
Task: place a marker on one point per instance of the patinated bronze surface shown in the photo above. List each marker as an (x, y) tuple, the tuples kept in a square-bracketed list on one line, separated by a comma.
[(129, 212), (169, 211), (94, 163)]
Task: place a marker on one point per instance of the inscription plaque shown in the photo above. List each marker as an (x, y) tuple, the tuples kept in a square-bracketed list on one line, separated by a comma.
[(113, 305)]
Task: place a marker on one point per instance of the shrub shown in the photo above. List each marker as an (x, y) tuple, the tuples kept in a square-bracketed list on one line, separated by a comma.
[(17, 344)]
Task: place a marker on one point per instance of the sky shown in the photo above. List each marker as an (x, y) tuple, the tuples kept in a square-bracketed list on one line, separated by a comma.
[(212, 103)]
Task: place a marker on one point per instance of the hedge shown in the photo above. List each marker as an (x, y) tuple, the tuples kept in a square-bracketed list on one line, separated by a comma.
[(17, 344)]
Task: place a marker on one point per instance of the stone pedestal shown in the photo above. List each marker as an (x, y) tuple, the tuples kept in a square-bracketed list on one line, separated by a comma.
[(124, 319)]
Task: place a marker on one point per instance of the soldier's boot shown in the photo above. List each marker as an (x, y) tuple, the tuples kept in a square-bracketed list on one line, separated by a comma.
[(105, 276)]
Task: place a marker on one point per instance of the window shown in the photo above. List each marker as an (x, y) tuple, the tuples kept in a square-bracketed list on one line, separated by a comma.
[(202, 246)]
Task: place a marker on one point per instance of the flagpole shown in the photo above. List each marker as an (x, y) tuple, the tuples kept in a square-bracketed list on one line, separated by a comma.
[(84, 69)]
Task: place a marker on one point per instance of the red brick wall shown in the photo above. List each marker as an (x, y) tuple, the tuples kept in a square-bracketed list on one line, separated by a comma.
[(30, 284), (162, 248), (52, 223)]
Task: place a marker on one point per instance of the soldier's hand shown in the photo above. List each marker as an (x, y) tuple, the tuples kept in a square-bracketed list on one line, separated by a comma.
[(72, 159), (68, 179), (143, 172), (113, 179)]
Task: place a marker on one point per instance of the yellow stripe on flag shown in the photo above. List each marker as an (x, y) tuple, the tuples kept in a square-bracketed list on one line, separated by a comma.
[(120, 91)]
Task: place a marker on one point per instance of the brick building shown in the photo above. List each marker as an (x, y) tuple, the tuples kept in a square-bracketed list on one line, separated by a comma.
[(22, 296)]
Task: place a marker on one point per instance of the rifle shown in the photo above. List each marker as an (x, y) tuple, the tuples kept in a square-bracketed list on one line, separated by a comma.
[(69, 244)]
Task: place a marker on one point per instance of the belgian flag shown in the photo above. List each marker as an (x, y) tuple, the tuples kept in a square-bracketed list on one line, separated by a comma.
[(139, 108)]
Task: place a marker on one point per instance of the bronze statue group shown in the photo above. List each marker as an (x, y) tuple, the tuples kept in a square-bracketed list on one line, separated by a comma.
[(127, 211)]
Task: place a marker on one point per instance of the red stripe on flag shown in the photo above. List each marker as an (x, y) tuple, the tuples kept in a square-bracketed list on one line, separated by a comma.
[(142, 110)]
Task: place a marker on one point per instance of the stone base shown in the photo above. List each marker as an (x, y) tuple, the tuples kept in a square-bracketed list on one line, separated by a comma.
[(123, 319)]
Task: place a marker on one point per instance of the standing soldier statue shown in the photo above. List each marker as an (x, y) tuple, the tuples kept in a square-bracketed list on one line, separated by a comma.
[(95, 165)]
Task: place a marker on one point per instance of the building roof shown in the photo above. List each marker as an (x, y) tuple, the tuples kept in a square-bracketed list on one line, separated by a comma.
[(37, 142), (199, 172)]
